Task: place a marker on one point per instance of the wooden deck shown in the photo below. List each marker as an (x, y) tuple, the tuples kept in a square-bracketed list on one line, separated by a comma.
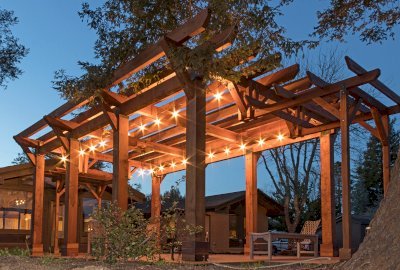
[(240, 258)]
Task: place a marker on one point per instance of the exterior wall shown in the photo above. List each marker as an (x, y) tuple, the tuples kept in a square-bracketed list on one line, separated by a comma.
[(262, 219), (218, 232)]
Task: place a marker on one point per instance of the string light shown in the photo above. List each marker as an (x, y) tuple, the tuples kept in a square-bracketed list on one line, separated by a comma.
[(157, 121), (92, 148), (142, 127), (242, 147), (81, 152), (161, 168), (184, 161), (261, 142), (173, 164), (175, 113), (150, 171), (227, 150), (140, 172), (211, 155), (280, 137), (102, 143), (63, 158), (218, 96)]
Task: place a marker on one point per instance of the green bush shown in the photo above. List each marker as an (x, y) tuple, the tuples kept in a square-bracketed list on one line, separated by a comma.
[(14, 252), (121, 235)]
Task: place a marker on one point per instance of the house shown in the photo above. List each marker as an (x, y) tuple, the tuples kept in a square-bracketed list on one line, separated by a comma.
[(225, 218), (16, 197), (359, 224)]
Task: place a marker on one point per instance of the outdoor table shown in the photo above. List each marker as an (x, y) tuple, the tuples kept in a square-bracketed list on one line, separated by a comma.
[(270, 236)]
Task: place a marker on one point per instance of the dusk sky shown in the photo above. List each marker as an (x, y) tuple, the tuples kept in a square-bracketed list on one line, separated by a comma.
[(57, 38)]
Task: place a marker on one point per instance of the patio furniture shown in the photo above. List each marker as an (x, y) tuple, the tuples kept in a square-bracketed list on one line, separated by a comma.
[(303, 239)]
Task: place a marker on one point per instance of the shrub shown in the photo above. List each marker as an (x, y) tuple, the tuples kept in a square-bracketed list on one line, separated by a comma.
[(121, 235)]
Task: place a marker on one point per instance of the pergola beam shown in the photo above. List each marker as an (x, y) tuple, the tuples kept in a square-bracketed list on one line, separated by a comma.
[(359, 70), (314, 92)]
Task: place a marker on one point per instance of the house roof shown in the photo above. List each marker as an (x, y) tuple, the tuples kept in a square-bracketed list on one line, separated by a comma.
[(219, 201), (12, 175)]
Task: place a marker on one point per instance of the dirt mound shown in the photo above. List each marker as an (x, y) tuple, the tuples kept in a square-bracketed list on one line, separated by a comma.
[(381, 247)]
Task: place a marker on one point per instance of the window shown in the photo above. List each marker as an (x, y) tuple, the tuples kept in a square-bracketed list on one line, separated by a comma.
[(15, 210)]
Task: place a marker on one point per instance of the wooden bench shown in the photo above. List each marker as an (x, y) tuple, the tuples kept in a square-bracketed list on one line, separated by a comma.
[(271, 236)]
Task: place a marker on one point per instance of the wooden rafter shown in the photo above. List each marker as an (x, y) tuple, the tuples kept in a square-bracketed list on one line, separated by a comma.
[(359, 70), (161, 148), (318, 92)]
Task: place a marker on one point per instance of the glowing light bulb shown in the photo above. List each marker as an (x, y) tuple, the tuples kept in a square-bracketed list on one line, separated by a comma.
[(81, 152), (211, 155), (242, 147), (227, 150), (102, 143), (218, 96), (161, 168), (63, 158), (150, 171), (184, 161), (261, 142), (141, 172), (175, 114), (157, 121), (142, 127), (92, 148), (173, 164), (280, 137)]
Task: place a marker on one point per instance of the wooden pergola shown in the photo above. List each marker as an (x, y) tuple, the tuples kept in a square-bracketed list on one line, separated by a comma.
[(180, 123)]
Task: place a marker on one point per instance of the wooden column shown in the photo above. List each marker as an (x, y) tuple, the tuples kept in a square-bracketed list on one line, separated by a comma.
[(251, 196), (195, 172), (37, 207), (71, 200), (120, 162), (56, 216), (386, 155), (156, 202), (327, 248), (345, 251)]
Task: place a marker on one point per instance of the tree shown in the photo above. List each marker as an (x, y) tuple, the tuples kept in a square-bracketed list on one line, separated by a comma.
[(375, 21), (11, 51), (21, 158), (368, 187), (125, 27), (291, 169)]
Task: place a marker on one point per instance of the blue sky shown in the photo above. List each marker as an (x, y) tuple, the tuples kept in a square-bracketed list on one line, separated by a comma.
[(57, 39)]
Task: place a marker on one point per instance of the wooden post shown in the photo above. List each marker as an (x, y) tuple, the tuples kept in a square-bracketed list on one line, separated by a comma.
[(345, 251), (56, 216), (156, 203), (120, 163), (251, 196), (327, 248), (38, 195), (386, 155), (195, 172), (71, 200)]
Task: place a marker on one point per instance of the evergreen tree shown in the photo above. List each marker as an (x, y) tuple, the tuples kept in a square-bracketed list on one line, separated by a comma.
[(368, 187)]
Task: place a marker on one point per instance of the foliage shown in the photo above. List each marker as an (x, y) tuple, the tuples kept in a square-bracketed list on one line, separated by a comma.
[(21, 158), (375, 20), (20, 252), (126, 27), (11, 51), (368, 187), (121, 235), (174, 228)]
